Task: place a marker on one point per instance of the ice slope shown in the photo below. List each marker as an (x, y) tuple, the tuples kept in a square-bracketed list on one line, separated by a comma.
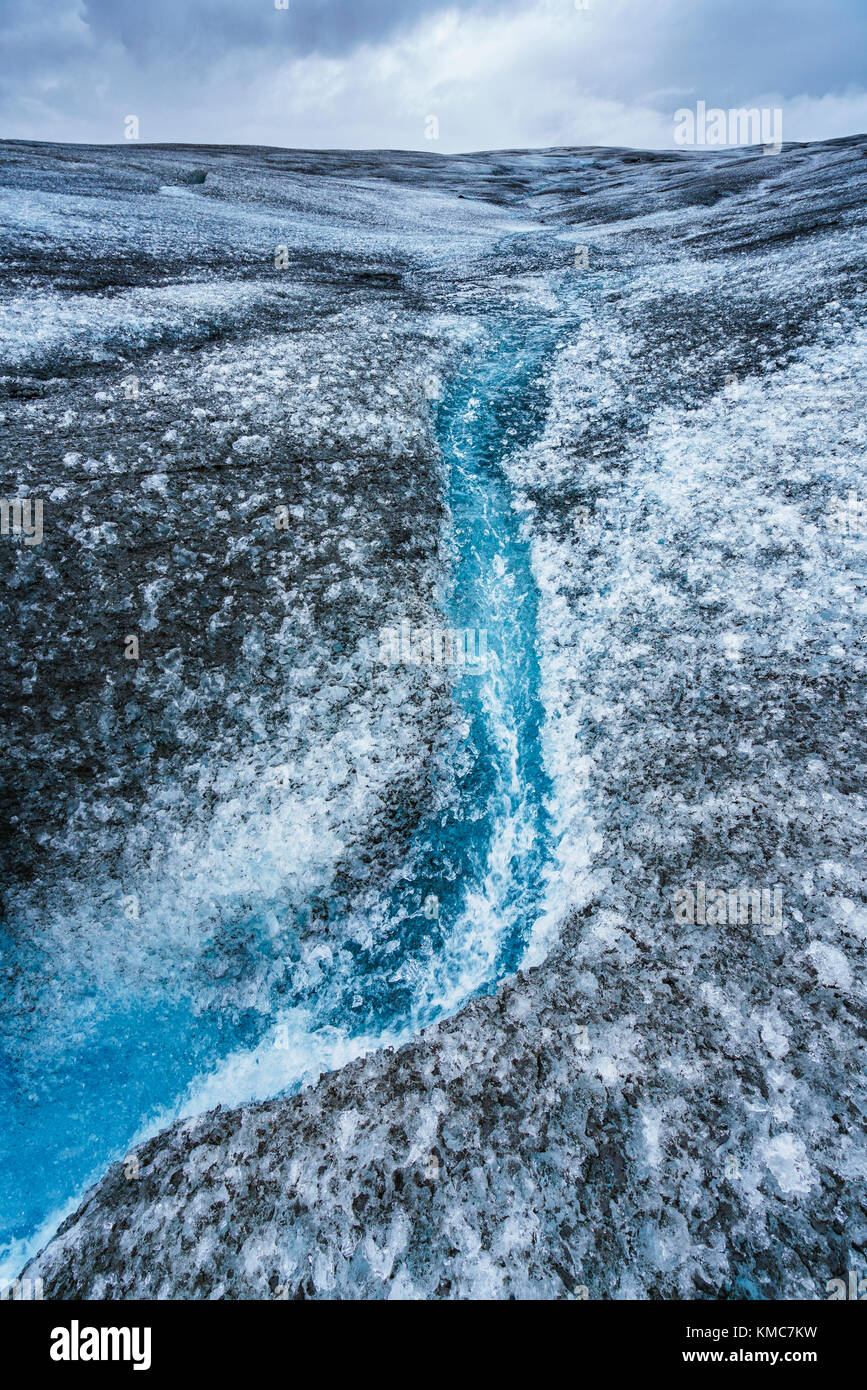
[(646, 1109), (236, 834)]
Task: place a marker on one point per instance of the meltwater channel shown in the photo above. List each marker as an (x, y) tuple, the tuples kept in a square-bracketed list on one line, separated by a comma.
[(482, 860)]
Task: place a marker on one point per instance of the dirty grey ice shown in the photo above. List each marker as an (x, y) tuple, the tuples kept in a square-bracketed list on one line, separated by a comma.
[(332, 976)]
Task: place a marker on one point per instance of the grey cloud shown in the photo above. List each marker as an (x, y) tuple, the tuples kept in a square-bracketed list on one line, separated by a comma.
[(197, 67), (174, 29)]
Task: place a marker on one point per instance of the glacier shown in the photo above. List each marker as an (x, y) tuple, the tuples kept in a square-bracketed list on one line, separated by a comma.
[(599, 404)]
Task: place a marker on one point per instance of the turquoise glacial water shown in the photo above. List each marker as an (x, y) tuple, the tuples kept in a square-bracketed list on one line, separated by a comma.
[(70, 1109)]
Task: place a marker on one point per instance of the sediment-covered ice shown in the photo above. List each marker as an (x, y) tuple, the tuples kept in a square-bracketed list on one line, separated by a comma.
[(652, 1106)]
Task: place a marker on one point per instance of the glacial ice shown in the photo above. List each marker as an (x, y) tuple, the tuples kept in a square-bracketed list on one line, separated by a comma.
[(220, 852)]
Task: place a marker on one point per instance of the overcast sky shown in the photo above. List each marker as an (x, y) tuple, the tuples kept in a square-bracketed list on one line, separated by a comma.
[(370, 73)]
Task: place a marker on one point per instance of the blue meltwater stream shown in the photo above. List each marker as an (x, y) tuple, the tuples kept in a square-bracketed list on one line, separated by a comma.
[(481, 857)]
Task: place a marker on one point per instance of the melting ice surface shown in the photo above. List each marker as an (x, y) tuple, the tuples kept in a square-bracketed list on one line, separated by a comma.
[(482, 856)]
